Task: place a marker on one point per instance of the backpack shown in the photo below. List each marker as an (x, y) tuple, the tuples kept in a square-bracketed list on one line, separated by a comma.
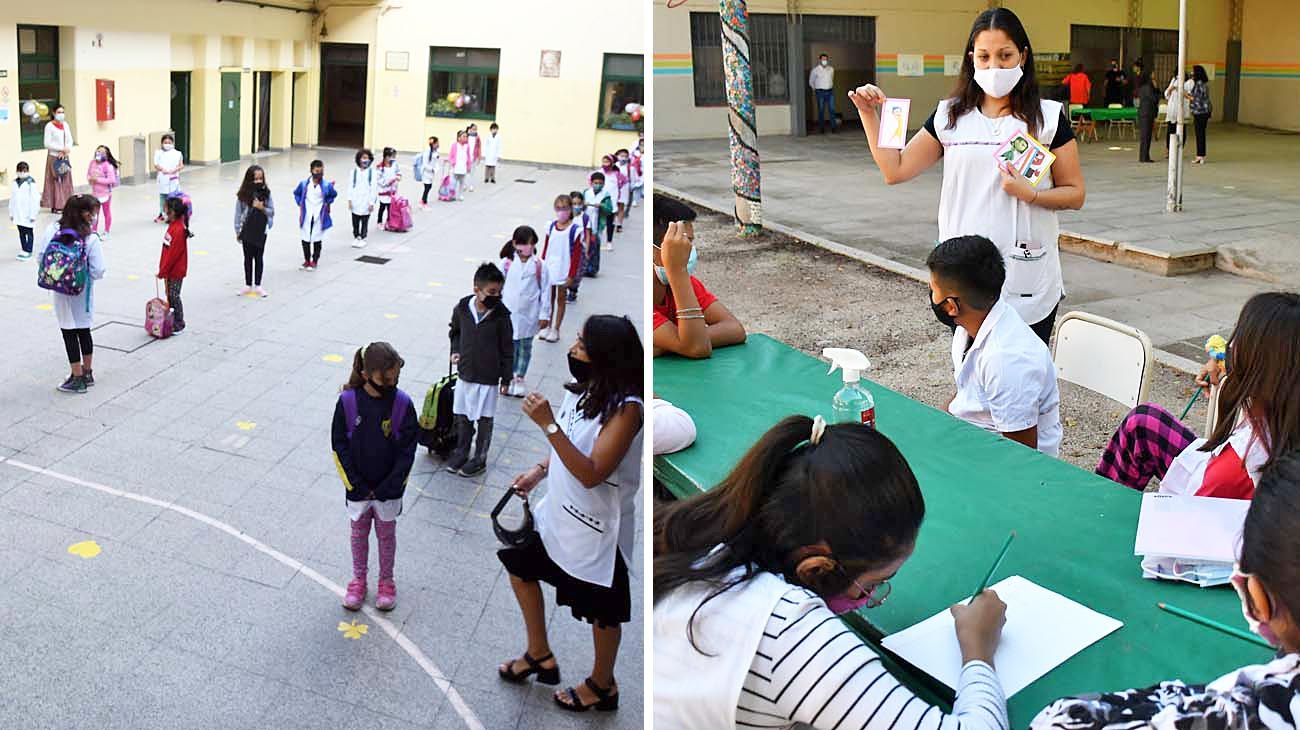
[(158, 318), (436, 418), (399, 215), (446, 191), (417, 166), (400, 402), (65, 265), (189, 205), (538, 266)]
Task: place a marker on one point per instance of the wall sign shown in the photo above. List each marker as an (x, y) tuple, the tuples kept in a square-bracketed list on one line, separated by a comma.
[(550, 65), (397, 61)]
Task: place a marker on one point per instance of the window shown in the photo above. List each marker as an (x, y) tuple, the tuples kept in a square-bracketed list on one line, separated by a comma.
[(463, 82), (767, 45), (622, 82), (38, 81)]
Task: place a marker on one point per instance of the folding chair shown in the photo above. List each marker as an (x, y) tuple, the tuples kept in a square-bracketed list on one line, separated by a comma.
[(1122, 124), (1104, 356), (1212, 418)]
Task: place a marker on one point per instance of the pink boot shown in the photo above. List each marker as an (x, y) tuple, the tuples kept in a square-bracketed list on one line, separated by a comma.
[(387, 597), (356, 593)]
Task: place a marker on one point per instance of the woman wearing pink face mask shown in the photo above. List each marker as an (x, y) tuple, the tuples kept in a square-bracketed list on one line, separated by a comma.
[(743, 579), (1256, 696)]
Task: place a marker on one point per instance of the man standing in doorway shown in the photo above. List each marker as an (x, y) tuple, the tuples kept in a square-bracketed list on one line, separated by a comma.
[(1116, 82), (822, 81)]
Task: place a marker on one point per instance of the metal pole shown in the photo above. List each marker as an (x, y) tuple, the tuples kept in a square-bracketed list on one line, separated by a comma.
[(1174, 184), (742, 132)]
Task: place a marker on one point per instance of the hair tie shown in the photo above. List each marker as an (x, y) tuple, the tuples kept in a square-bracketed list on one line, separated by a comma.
[(818, 429), (363, 353)]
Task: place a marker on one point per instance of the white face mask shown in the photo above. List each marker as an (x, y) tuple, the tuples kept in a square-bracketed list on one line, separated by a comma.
[(998, 82), (825, 62), (168, 146), (60, 116)]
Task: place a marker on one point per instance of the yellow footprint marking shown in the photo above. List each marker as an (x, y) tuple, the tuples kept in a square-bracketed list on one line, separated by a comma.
[(390, 316), (435, 283), (86, 549), (333, 358), (353, 630), (200, 253), (131, 277), (45, 307), (245, 425)]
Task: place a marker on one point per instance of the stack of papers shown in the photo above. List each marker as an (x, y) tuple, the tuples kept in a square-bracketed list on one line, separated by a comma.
[(1043, 630), (1188, 538)]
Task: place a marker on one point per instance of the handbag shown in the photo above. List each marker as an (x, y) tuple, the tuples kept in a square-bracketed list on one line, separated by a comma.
[(521, 537), (62, 167)]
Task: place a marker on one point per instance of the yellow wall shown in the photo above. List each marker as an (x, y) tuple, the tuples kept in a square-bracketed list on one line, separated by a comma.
[(1270, 56)]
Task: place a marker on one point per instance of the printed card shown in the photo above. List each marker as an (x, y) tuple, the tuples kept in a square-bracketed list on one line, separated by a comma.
[(1027, 156), (893, 123)]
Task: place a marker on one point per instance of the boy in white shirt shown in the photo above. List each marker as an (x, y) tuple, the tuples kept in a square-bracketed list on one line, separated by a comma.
[(24, 204), (168, 163), (491, 154), (1006, 380)]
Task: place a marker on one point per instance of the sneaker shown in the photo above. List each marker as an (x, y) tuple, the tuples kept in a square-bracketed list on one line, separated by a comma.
[(572, 296), (356, 594), (312, 266), (554, 336), (455, 462), (245, 291), (73, 384), (159, 219), (473, 467), (544, 335), (519, 388), (359, 243), (607, 247), (261, 292), (89, 377), (23, 256), (178, 330), (306, 266), (386, 599), (106, 235)]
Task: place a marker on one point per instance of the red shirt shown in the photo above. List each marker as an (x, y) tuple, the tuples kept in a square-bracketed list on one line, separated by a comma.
[(1080, 87), (1226, 477), (175, 254), (667, 312)]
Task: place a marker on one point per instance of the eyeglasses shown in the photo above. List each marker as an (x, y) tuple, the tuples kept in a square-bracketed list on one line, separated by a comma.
[(884, 587)]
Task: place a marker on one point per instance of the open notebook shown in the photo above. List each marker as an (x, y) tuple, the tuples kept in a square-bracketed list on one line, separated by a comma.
[(1043, 630)]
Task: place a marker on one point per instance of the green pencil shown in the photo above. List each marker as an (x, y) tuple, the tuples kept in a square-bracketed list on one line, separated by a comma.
[(1229, 630), (987, 576)]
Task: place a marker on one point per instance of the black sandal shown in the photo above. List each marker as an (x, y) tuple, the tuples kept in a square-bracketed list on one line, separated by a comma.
[(545, 675), (606, 698)]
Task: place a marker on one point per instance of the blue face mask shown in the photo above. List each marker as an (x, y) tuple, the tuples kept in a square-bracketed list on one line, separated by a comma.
[(662, 273)]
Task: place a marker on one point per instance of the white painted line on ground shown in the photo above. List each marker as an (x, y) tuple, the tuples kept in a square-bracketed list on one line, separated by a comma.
[(426, 664)]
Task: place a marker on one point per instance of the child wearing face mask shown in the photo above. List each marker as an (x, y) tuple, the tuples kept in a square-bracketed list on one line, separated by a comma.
[(314, 197), (623, 161), (562, 234), (1256, 696), (475, 154), (599, 200), (483, 349), (167, 163), (389, 176), (581, 253), (429, 169), (24, 204), (616, 181), (363, 194), (103, 177), (461, 162), (254, 216), (173, 263), (491, 154), (526, 294), (374, 439)]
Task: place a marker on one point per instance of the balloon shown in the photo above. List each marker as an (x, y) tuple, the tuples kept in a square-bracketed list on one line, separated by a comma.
[(453, 96), (631, 107), (636, 115), (460, 102), (29, 109)]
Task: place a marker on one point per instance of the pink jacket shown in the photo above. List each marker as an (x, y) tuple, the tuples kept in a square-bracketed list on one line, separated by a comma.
[(103, 178)]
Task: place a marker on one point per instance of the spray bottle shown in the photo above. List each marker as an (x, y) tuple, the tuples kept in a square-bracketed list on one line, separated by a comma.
[(853, 403)]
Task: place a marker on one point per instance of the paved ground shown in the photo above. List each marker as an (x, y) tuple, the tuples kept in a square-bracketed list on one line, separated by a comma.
[(200, 467), (1246, 202)]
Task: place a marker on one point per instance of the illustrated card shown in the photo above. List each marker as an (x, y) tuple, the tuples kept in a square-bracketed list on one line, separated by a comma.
[(893, 123), (1027, 156)]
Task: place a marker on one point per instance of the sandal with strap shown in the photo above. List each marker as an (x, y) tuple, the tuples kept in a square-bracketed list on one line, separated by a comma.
[(606, 698), (545, 675)]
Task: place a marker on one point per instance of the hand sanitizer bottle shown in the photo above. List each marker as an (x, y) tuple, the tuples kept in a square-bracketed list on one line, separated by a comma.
[(853, 403)]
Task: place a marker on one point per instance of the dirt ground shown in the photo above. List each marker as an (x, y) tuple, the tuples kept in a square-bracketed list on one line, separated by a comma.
[(810, 298)]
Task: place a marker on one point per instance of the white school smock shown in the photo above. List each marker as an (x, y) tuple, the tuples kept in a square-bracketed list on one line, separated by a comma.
[(314, 205), (429, 163), (77, 311), (168, 183), (556, 250), (1006, 381), (460, 162), (363, 193), (388, 175), (593, 201), (526, 294), (24, 202), (583, 528), (972, 202), (385, 509), (492, 149)]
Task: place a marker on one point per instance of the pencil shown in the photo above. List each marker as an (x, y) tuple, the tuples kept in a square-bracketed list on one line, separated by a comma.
[(987, 576), (1229, 630), (1190, 403)]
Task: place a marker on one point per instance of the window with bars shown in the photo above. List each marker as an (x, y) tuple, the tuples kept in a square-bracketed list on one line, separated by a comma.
[(463, 82), (38, 81), (622, 82), (767, 50)]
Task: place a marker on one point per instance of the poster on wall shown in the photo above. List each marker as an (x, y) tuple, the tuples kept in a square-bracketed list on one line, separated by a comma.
[(550, 66), (397, 61), (911, 64), (952, 64)]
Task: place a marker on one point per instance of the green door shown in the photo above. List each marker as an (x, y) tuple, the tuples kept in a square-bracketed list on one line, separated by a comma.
[(229, 117), (181, 111)]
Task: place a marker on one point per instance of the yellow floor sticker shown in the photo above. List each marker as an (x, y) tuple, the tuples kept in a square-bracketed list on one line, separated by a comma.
[(245, 425), (353, 630), (86, 549), (435, 283), (333, 358), (131, 277), (390, 316), (45, 307)]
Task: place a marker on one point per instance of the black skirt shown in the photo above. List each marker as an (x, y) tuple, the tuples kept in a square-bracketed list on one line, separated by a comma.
[(595, 604)]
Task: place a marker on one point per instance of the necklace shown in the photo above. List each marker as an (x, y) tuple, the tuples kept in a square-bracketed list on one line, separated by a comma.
[(995, 123)]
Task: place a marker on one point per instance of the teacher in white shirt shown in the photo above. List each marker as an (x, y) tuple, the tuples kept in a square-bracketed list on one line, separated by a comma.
[(996, 96), (822, 81), (58, 148)]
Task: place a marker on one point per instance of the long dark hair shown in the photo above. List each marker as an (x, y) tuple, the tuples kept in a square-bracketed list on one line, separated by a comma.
[(1024, 97), (617, 366), (1264, 378), (1270, 538), (523, 236), (853, 491), (74, 214), (108, 155), (248, 189), (373, 358), (1199, 75)]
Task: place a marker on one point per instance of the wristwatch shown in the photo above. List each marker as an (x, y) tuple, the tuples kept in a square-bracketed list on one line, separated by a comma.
[(552, 429)]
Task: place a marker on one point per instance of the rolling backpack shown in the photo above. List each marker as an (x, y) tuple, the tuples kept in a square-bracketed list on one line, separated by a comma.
[(399, 215), (400, 401), (436, 431), (158, 318), (446, 191), (65, 265)]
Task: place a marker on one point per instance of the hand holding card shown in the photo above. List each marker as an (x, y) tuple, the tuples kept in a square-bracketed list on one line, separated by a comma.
[(1026, 156)]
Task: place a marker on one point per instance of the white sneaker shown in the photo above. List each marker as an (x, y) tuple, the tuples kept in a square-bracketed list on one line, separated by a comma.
[(358, 243), (607, 247), (544, 334), (106, 235), (261, 292), (521, 388), (245, 291), (554, 335), (23, 256)]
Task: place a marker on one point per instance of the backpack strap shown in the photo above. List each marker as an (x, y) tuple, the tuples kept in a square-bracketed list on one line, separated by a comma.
[(538, 268), (400, 402), (349, 399)]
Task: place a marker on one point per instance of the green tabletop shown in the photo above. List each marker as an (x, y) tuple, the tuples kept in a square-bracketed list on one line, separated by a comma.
[(1105, 114), (1075, 529)]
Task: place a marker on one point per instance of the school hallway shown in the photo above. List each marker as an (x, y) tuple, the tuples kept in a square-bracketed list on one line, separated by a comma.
[(1241, 209), (172, 541)]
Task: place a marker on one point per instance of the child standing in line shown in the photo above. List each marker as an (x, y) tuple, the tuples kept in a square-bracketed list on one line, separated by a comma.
[(76, 312), (103, 177), (254, 216), (460, 162), (615, 180), (526, 295), (637, 181), (491, 154), (362, 196), (600, 213), (389, 175), (314, 196), (374, 439), (174, 261), (24, 204), (475, 154), (581, 251), (429, 169), (482, 348), (167, 163), (557, 247), (623, 162)]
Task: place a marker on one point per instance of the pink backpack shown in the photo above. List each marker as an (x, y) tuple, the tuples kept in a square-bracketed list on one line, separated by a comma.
[(399, 215), (537, 265), (158, 317)]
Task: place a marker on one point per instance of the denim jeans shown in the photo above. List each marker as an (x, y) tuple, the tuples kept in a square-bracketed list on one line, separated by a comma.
[(825, 107), (523, 356)]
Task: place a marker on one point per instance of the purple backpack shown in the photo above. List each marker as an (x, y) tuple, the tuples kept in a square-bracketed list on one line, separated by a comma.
[(64, 266), (349, 399)]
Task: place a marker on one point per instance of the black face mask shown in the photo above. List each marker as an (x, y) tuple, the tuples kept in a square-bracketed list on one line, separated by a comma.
[(491, 301), (384, 390), (944, 318), (580, 370)]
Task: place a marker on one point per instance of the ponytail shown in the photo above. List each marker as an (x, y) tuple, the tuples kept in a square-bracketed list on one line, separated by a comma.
[(358, 377)]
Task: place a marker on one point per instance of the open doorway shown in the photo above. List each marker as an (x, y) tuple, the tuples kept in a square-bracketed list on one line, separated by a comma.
[(262, 120), (180, 110), (850, 42), (343, 94)]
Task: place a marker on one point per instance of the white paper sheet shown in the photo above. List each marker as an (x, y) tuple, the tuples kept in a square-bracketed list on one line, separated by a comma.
[(1191, 528), (1043, 630)]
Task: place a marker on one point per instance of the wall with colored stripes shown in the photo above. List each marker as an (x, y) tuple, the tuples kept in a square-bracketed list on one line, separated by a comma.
[(1270, 65)]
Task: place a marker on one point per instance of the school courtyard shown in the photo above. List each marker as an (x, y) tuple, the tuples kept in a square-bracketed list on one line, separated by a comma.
[(174, 543)]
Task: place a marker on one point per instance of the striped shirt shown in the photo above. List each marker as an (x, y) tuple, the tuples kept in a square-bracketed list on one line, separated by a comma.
[(811, 668)]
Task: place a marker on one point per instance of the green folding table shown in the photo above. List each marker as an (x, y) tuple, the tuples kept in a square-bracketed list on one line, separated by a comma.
[(1075, 530), (1105, 114)]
